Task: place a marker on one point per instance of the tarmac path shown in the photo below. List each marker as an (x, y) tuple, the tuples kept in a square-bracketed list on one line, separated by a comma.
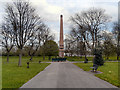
[(65, 75)]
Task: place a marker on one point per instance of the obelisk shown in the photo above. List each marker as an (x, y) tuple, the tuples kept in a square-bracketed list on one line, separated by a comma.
[(61, 44)]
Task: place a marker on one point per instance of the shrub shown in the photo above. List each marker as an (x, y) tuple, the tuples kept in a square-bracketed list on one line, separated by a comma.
[(98, 57)]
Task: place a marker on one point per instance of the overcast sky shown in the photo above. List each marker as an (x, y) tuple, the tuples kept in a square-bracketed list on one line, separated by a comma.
[(50, 11)]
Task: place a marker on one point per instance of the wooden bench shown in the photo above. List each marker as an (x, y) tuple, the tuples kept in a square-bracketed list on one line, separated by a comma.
[(95, 67)]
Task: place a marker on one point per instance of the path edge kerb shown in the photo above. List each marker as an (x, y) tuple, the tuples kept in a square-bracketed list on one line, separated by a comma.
[(34, 77)]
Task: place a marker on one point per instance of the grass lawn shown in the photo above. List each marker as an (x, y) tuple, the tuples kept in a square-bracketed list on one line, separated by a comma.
[(0, 73), (26, 59), (110, 71), (14, 76), (75, 58)]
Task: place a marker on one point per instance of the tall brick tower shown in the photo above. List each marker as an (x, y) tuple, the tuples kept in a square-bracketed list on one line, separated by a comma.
[(61, 44)]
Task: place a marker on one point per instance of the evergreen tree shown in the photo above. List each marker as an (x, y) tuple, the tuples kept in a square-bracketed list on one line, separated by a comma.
[(98, 60), (50, 48)]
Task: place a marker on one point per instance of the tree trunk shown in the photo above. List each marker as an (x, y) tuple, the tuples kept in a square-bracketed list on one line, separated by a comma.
[(96, 42), (43, 57), (20, 57), (55, 56), (84, 47), (31, 58), (93, 42), (85, 57), (118, 48), (69, 54), (86, 60), (107, 58), (8, 57), (117, 57), (80, 56), (49, 57)]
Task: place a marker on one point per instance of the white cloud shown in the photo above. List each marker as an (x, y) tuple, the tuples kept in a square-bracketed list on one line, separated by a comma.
[(50, 10), (111, 10)]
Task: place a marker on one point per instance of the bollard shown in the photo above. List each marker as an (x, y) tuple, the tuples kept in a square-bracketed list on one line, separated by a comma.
[(27, 64), (39, 61)]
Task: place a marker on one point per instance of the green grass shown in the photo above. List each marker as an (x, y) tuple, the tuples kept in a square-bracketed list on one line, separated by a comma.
[(110, 71), (25, 59), (75, 58), (111, 58), (14, 76), (0, 73)]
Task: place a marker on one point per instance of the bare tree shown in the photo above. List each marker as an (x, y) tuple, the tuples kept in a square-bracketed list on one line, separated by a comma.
[(24, 21), (116, 31), (108, 48), (32, 47), (107, 36), (92, 21), (8, 38), (41, 35), (70, 45), (35, 42), (45, 36), (81, 34), (79, 31)]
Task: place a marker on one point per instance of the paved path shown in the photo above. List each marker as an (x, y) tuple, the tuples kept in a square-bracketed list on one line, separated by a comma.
[(65, 75)]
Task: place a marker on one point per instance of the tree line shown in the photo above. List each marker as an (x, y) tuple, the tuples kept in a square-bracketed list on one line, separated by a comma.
[(89, 30), (23, 30)]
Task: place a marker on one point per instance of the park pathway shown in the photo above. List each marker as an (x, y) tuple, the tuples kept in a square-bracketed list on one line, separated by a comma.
[(65, 75)]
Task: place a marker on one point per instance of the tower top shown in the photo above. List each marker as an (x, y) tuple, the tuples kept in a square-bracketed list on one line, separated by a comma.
[(61, 15)]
